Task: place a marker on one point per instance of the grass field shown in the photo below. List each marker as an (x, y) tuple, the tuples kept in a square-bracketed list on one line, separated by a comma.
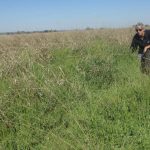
[(73, 90)]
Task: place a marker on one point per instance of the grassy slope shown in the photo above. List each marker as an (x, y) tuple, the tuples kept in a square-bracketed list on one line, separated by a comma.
[(89, 98)]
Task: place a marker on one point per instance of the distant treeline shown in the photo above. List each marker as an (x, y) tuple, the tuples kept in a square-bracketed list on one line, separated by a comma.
[(27, 32), (46, 31)]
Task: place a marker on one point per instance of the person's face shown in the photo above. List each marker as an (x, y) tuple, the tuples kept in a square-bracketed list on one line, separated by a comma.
[(140, 32)]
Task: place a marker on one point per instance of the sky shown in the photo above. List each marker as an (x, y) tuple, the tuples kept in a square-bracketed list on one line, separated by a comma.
[(34, 15)]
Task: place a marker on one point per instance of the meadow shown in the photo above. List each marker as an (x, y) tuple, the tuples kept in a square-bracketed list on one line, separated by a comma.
[(73, 90)]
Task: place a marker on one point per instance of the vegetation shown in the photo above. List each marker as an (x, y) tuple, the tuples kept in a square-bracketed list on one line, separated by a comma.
[(73, 90)]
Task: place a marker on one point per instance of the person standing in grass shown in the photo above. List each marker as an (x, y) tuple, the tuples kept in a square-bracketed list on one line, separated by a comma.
[(141, 42)]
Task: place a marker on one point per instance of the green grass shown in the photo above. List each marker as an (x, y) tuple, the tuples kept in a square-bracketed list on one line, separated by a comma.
[(90, 98)]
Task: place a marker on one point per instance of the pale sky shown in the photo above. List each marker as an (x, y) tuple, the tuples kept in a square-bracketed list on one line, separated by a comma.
[(31, 15)]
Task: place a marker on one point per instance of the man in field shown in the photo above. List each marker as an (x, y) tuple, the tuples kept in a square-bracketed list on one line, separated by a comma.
[(141, 42), (141, 39)]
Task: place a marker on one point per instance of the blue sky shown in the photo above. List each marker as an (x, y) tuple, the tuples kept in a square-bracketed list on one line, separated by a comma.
[(29, 15)]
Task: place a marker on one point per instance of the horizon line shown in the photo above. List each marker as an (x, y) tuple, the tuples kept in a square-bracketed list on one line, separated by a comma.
[(61, 30)]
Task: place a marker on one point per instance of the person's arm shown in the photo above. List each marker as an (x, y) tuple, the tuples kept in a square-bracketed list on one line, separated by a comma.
[(146, 48), (148, 42)]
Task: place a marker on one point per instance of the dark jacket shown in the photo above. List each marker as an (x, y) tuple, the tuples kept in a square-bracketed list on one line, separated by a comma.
[(139, 44)]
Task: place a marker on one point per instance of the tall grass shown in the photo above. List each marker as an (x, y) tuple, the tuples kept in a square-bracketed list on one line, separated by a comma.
[(73, 90)]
